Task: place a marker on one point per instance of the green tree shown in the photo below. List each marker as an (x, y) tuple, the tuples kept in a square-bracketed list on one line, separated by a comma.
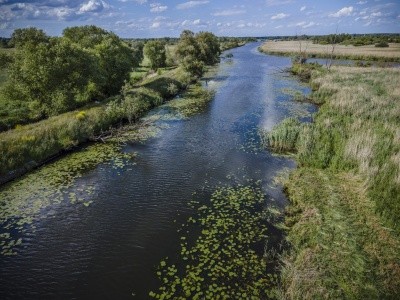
[(209, 47), (155, 52), (115, 58), (51, 76), (137, 51), (23, 36), (189, 54)]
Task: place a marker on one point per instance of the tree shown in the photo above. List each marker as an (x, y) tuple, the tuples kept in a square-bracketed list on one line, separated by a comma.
[(28, 36), (51, 76), (155, 52), (137, 52), (189, 54), (115, 58), (209, 47)]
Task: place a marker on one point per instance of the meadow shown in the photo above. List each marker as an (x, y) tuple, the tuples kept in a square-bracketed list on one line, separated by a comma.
[(369, 52)]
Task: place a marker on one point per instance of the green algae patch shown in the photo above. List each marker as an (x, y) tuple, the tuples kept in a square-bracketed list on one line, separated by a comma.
[(223, 262), (193, 101), (23, 201)]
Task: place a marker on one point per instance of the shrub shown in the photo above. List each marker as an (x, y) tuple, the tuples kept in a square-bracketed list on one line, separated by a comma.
[(382, 45)]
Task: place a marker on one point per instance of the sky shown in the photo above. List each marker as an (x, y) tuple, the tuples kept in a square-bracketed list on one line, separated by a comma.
[(161, 18)]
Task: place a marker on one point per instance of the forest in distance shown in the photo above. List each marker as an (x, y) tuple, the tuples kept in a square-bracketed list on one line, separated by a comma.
[(339, 232)]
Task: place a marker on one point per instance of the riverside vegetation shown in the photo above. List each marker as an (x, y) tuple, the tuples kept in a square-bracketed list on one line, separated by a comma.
[(342, 222), (75, 106)]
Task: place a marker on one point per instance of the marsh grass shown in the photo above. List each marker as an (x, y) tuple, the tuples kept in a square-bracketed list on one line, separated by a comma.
[(370, 52), (283, 137), (342, 222)]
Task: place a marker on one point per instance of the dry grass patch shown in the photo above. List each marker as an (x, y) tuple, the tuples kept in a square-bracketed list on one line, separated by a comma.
[(392, 53)]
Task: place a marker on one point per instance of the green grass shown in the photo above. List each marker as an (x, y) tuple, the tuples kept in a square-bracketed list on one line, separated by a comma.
[(342, 222), (339, 249), (283, 137)]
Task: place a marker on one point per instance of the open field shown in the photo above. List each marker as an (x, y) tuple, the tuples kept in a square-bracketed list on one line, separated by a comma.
[(392, 53)]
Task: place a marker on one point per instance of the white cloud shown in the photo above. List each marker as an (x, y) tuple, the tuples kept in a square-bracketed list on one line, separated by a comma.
[(303, 8), (155, 25), (279, 26), (345, 11), (93, 6), (278, 2), (191, 4), (309, 25), (137, 1), (229, 12), (361, 2), (376, 14), (279, 16), (157, 7), (304, 24)]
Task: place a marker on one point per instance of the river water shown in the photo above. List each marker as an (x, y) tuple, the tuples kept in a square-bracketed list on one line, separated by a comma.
[(110, 248)]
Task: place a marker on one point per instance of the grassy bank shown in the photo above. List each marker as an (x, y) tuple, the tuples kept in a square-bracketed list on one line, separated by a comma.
[(370, 52), (28, 146), (342, 222)]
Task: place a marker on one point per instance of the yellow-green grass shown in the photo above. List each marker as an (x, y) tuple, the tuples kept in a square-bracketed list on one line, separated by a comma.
[(370, 52)]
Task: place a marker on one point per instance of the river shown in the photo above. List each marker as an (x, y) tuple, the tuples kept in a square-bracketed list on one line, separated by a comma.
[(109, 247)]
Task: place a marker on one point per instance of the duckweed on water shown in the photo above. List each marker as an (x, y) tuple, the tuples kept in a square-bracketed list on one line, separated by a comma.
[(222, 263), (23, 201)]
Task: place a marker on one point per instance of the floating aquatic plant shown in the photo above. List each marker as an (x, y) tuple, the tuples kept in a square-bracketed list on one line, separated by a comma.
[(223, 262)]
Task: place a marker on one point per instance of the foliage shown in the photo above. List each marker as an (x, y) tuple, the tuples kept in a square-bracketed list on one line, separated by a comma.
[(6, 60), (196, 51), (209, 47), (137, 52), (283, 137), (53, 75), (223, 262), (155, 52), (114, 58), (382, 45), (356, 40), (28, 37)]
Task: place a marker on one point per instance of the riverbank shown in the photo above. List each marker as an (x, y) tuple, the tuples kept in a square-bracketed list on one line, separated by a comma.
[(369, 53), (342, 221), (30, 146)]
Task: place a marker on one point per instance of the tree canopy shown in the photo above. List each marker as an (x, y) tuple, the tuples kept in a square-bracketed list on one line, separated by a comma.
[(155, 52), (196, 51), (56, 74)]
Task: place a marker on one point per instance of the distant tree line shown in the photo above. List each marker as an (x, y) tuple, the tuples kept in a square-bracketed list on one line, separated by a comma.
[(380, 40)]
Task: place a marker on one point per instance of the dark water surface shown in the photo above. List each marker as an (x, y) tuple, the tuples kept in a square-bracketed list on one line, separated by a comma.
[(109, 249)]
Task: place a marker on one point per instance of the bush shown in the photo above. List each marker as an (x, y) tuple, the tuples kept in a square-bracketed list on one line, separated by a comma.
[(382, 45)]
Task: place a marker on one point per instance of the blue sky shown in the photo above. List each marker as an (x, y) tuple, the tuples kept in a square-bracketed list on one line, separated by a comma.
[(148, 18)]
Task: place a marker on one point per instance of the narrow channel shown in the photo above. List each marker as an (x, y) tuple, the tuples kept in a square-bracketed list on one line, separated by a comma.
[(109, 249)]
